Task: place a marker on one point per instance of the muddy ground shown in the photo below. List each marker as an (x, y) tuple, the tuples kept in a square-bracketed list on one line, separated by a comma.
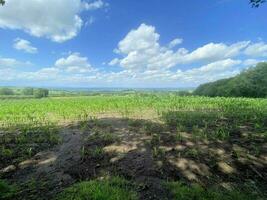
[(144, 152)]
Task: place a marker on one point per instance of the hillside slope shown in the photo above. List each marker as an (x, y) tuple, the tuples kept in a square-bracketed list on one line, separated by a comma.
[(249, 83)]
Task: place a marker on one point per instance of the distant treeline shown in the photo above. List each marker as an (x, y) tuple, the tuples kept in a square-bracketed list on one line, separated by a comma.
[(31, 92), (249, 83)]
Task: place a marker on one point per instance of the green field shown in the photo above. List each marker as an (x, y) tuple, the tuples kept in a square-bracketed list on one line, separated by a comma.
[(157, 144), (59, 110)]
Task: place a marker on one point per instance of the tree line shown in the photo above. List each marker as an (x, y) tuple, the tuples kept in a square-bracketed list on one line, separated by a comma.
[(35, 92), (249, 83)]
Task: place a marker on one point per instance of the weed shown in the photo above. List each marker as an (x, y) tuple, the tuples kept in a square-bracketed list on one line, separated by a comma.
[(114, 188)]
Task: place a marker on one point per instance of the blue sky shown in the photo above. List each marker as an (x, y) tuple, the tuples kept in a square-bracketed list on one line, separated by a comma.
[(128, 43)]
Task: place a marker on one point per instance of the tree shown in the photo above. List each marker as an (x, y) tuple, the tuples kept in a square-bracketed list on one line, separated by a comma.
[(27, 91), (40, 93), (250, 83), (257, 3), (6, 91), (2, 2)]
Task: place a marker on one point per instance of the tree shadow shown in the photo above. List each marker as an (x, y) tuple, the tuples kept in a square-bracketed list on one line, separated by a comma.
[(147, 153)]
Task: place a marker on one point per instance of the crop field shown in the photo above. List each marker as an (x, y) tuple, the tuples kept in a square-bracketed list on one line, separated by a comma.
[(133, 146)]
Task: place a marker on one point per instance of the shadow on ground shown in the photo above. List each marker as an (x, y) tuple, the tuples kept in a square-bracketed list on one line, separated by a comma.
[(144, 152)]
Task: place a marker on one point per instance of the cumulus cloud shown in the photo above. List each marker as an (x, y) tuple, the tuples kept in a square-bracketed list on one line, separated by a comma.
[(95, 5), (257, 50), (74, 63), (141, 50), (215, 51), (13, 63), (209, 72), (58, 20), (24, 45), (114, 62), (250, 62), (145, 62), (175, 42)]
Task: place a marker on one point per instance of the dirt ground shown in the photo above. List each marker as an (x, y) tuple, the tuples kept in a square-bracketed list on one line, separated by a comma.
[(146, 156)]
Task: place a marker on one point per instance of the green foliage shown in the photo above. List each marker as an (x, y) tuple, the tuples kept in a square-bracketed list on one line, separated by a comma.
[(190, 118), (257, 3), (96, 153), (184, 93), (103, 138), (114, 188), (27, 91), (2, 2), (6, 91), (57, 110), (182, 191), (6, 191), (250, 83), (216, 125), (40, 93), (18, 146)]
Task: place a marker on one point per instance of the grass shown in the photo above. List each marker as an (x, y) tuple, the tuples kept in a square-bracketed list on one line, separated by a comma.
[(102, 138), (182, 191), (114, 188), (6, 191), (24, 142)]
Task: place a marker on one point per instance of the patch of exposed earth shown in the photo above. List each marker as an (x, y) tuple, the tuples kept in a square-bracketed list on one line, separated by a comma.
[(46, 172)]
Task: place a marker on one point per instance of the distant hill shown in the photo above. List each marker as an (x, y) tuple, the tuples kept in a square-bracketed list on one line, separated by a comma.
[(249, 83)]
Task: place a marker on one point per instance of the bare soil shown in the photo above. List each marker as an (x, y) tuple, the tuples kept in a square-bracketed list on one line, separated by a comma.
[(146, 157)]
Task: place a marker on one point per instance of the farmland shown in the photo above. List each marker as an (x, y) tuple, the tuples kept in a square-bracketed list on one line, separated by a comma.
[(135, 146)]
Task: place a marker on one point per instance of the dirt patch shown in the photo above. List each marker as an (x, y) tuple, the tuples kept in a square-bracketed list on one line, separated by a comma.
[(46, 172), (148, 154)]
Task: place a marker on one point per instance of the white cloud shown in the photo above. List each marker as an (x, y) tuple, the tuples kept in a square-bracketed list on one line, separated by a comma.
[(44, 74), (90, 21), (74, 63), (58, 20), (141, 51), (113, 62), (24, 45), (144, 63), (250, 62), (216, 51), (58, 75), (13, 63), (257, 50), (95, 5), (210, 72), (175, 42)]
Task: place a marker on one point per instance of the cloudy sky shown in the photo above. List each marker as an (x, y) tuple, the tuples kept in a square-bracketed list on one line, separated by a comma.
[(128, 43)]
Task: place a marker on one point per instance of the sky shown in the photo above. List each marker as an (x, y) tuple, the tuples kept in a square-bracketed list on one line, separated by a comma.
[(128, 43)]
